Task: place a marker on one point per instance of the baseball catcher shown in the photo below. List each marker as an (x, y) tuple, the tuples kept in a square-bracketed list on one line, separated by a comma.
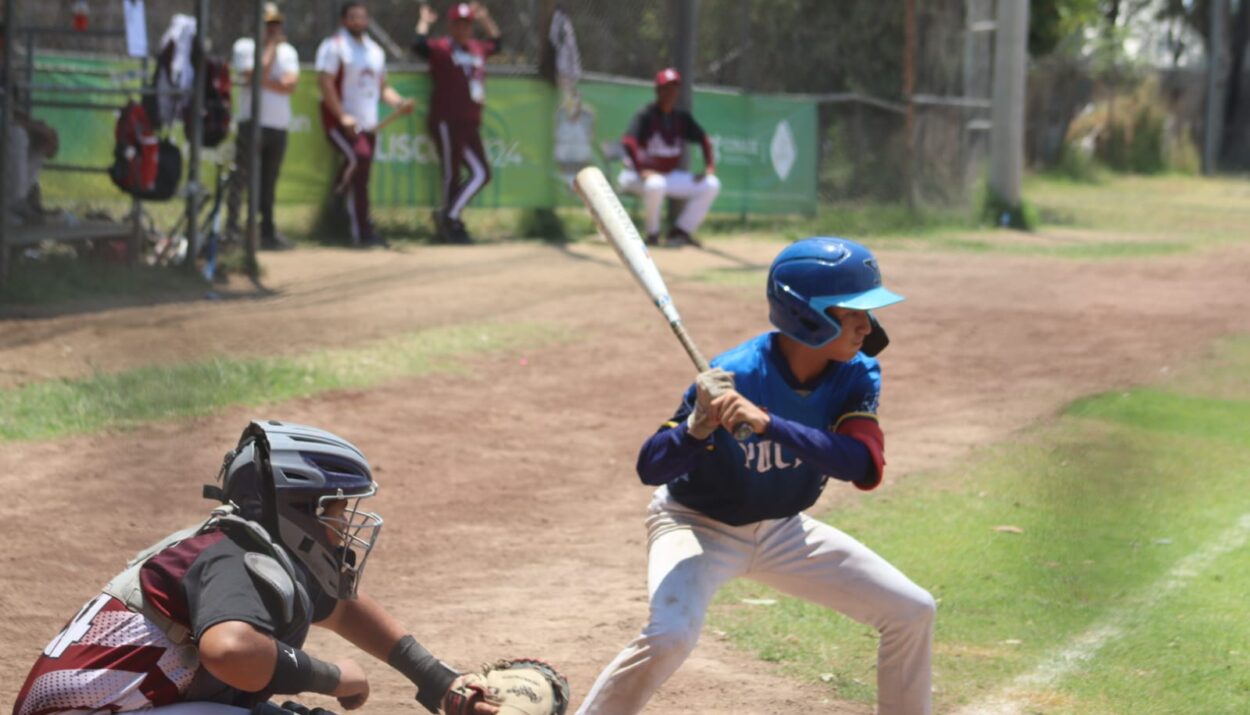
[(211, 620)]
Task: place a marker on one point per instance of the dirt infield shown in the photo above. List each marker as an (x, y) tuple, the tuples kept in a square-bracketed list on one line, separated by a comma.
[(514, 519)]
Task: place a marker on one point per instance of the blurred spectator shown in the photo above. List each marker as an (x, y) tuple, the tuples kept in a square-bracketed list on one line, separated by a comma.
[(351, 71), (458, 69), (278, 76), (30, 143)]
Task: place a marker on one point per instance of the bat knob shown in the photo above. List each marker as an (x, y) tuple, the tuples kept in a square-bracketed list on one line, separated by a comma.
[(743, 431)]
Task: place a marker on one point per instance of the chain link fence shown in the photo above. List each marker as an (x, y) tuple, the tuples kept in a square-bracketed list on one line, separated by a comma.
[(875, 140)]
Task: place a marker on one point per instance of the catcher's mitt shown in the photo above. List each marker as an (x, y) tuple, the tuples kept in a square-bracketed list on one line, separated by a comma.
[(518, 686)]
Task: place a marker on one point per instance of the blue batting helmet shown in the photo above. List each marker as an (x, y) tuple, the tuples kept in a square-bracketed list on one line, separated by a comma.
[(810, 276)]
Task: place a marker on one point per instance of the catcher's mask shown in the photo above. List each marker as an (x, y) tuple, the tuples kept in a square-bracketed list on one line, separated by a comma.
[(305, 486), (812, 275)]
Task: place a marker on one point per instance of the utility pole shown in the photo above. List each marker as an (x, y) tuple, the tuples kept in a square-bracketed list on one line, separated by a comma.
[(684, 47), (1213, 123), (1010, 80)]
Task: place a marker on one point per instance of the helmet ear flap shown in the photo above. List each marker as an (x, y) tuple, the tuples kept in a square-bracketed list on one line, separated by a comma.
[(246, 478), (815, 323), (795, 316)]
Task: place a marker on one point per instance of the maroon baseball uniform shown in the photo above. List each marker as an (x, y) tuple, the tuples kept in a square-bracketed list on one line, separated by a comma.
[(109, 658), (358, 66), (455, 115), (657, 141)]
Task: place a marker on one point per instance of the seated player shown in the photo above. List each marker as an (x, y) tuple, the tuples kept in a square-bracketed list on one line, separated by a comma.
[(655, 145)]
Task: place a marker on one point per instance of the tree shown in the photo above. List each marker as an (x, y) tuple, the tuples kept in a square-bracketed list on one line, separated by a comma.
[(1053, 21), (1197, 14)]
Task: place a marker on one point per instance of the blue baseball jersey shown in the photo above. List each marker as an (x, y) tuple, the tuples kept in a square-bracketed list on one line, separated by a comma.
[(742, 482)]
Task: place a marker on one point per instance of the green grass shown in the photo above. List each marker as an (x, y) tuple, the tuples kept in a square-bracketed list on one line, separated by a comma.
[(850, 219), (1079, 221), (1183, 209), (1109, 497), (47, 410)]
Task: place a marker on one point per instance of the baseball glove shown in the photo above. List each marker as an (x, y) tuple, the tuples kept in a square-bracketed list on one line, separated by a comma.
[(518, 686)]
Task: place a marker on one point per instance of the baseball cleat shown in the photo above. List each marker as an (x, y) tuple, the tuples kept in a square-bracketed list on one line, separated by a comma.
[(458, 233), (678, 238)]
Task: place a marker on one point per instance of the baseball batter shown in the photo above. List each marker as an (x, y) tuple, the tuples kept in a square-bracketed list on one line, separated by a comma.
[(655, 147), (351, 74), (458, 70), (723, 509), (211, 620)]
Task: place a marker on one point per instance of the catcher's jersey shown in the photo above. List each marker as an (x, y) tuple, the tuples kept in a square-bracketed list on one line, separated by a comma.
[(111, 659), (742, 482)]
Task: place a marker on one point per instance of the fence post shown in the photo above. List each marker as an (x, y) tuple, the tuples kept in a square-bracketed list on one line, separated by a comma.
[(909, 89), (6, 120), (194, 193), (253, 158), (683, 60), (1010, 77), (1213, 122)]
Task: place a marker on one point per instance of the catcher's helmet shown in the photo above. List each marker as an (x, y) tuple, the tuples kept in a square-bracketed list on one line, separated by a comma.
[(810, 276), (285, 476)]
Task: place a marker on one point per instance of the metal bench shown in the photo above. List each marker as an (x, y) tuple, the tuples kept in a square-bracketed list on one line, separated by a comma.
[(32, 234)]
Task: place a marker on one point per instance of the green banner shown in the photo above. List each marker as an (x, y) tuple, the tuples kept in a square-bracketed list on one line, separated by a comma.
[(765, 145)]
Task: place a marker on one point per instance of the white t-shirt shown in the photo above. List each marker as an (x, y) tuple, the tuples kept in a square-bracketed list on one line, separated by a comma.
[(275, 107), (359, 69)]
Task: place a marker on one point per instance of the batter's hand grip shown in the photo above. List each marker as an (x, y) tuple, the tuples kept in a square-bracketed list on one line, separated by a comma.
[(741, 431)]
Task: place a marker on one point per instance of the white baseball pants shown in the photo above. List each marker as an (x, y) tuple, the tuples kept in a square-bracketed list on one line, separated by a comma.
[(698, 193), (691, 556)]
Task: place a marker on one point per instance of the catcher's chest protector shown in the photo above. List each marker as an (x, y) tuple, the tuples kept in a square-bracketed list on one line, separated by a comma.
[(273, 568)]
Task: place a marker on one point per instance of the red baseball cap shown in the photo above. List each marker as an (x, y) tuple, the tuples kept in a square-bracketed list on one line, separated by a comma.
[(460, 11), (668, 75)]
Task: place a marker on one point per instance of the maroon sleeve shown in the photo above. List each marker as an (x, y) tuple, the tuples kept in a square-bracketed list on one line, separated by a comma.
[(635, 137), (440, 49), (163, 576), (865, 429)]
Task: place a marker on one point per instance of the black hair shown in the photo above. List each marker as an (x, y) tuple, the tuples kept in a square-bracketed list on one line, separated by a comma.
[(347, 6)]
